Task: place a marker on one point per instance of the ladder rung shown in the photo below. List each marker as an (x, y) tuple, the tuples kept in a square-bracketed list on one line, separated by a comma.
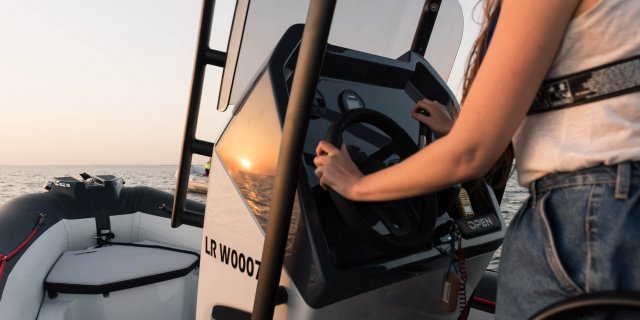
[(203, 148), (215, 57)]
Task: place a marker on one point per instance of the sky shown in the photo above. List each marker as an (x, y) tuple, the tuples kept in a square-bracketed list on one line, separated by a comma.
[(106, 82)]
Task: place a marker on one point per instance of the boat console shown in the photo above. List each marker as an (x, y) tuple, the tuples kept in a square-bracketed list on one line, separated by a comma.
[(338, 250)]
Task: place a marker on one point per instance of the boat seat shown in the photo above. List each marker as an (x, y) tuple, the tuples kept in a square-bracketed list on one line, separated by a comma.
[(117, 267)]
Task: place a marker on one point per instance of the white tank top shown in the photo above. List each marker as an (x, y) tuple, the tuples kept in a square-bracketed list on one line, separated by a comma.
[(603, 132)]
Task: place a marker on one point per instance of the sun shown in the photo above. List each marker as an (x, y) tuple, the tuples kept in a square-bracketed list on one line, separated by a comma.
[(245, 163)]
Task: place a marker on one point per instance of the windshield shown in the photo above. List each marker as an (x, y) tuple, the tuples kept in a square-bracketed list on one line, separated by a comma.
[(381, 27)]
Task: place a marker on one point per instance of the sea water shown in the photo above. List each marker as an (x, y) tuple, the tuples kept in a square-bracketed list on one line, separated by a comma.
[(19, 180)]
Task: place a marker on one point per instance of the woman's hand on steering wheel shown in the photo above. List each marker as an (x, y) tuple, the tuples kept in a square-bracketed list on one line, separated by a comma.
[(336, 170), (434, 115)]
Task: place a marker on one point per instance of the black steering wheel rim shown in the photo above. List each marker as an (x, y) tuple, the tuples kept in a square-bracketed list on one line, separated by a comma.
[(591, 302), (410, 222)]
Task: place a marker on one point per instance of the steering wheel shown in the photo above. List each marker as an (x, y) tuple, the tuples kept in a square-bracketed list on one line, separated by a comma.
[(390, 226), (627, 303)]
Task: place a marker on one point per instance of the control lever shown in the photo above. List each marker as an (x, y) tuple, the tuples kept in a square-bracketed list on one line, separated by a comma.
[(425, 135)]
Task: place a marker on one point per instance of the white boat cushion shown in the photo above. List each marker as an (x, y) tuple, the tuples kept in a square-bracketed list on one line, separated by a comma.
[(117, 267)]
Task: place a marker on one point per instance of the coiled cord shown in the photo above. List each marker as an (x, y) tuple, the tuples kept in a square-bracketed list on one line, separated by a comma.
[(462, 292)]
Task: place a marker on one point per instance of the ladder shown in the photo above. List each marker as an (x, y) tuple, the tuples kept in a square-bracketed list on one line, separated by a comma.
[(190, 145)]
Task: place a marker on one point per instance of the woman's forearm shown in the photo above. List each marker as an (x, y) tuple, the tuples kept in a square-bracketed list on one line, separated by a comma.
[(421, 174)]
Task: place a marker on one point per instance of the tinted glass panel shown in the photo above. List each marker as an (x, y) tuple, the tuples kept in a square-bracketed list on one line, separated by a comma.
[(380, 27), (249, 150)]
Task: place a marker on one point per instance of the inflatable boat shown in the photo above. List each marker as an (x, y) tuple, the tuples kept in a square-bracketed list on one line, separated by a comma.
[(198, 180), (92, 248), (273, 244)]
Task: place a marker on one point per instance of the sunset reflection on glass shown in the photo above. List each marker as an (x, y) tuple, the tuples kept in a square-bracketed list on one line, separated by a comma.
[(249, 150), (245, 163)]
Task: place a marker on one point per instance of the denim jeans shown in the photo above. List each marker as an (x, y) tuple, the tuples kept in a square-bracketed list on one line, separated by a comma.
[(577, 233)]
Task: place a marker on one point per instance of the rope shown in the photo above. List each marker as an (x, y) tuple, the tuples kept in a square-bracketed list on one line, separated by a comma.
[(484, 301), (462, 293), (3, 259)]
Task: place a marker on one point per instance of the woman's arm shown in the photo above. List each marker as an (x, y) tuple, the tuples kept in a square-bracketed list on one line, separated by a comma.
[(525, 41)]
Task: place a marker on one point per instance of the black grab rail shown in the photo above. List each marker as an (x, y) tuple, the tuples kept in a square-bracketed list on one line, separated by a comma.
[(310, 58), (425, 26), (190, 145)]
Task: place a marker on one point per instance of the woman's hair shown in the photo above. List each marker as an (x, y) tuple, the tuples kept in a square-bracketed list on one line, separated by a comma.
[(489, 18), (499, 173)]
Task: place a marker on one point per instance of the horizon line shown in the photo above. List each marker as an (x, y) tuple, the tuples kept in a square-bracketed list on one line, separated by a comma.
[(91, 165)]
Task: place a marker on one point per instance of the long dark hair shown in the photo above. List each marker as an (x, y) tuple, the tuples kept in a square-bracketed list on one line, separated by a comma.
[(499, 173)]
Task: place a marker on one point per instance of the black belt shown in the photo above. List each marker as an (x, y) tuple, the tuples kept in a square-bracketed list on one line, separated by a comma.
[(602, 82)]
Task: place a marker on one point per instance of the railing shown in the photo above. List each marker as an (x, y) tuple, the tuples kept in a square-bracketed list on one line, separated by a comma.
[(310, 58)]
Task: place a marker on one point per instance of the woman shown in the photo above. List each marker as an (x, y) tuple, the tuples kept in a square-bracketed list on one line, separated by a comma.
[(577, 233)]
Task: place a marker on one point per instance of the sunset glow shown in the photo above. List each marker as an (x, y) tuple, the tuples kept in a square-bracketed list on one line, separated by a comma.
[(245, 163)]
